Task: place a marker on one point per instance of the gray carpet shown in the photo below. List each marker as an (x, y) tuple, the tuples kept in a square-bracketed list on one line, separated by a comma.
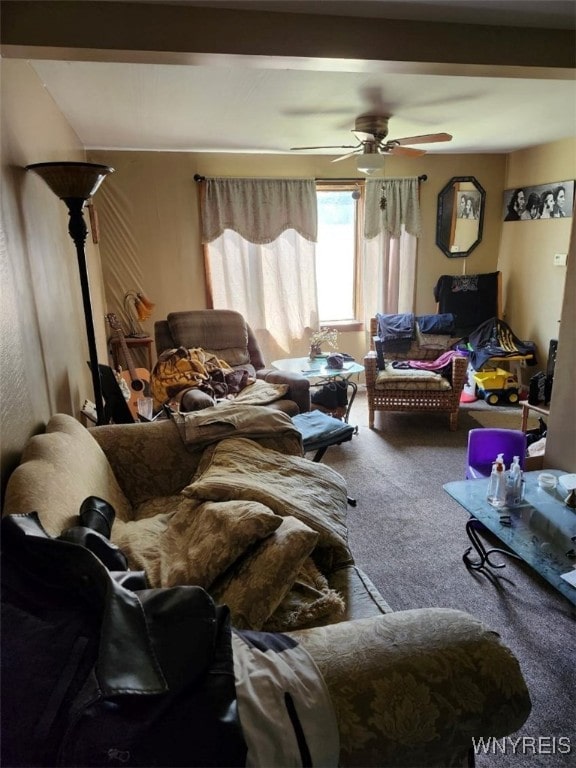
[(409, 536)]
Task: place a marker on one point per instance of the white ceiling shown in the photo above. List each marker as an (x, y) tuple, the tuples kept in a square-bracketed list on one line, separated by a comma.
[(230, 104)]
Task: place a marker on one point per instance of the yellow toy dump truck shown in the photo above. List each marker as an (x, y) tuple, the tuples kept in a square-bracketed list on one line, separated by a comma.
[(496, 385)]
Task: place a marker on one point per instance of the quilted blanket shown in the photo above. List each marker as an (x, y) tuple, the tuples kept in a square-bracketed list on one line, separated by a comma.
[(256, 528)]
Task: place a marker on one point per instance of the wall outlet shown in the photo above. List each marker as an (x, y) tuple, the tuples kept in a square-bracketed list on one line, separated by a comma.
[(560, 259)]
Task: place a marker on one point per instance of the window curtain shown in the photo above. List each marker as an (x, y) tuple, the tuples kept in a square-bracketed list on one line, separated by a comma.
[(259, 237), (388, 257)]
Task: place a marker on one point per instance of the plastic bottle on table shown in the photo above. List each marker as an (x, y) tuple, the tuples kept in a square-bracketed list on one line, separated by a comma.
[(514, 483), (497, 483)]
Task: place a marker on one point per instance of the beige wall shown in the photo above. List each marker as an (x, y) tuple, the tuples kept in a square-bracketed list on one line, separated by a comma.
[(533, 287), (43, 340), (561, 441), (538, 295), (150, 230)]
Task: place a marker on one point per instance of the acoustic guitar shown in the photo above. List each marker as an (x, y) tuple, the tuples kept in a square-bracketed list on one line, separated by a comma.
[(137, 379)]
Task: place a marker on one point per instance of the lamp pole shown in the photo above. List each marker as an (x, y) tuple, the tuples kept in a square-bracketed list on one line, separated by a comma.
[(74, 183)]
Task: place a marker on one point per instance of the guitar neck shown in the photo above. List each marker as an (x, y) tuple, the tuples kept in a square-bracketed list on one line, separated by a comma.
[(127, 356), (115, 325)]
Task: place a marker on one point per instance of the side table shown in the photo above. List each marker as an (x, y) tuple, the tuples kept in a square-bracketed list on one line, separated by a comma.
[(319, 373), (527, 407), (131, 342)]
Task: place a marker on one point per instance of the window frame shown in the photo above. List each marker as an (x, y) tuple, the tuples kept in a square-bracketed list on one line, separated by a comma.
[(349, 185)]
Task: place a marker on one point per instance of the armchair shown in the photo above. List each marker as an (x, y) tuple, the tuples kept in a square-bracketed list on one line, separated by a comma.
[(412, 390), (227, 335)]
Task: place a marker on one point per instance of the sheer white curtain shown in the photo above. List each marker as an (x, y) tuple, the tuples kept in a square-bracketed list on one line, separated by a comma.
[(259, 237), (388, 259)]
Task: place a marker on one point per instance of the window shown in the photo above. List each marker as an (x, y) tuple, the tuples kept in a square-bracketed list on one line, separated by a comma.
[(336, 252)]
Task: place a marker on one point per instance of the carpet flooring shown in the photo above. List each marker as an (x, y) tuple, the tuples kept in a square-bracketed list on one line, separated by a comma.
[(408, 535)]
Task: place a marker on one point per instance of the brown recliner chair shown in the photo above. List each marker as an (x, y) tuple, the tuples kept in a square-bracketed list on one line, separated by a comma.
[(227, 335)]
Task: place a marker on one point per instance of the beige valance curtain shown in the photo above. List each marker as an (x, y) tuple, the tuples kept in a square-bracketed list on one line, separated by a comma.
[(401, 208), (259, 210), (390, 246), (259, 240)]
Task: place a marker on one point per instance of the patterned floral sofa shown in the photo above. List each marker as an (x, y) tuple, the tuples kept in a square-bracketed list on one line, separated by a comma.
[(409, 688)]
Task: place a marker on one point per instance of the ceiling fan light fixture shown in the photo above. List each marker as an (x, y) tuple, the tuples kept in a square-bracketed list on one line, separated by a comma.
[(370, 163)]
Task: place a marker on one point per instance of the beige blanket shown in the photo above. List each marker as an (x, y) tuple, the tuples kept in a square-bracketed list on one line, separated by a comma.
[(314, 493), (261, 392), (256, 528), (231, 418)]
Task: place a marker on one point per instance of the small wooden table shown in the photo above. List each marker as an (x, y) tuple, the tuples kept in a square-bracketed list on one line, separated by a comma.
[(527, 407), (131, 341)]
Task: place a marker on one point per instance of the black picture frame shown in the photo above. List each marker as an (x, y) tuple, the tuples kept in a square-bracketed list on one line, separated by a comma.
[(459, 240)]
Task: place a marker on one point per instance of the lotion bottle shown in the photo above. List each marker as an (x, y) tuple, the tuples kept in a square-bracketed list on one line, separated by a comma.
[(497, 484), (514, 483)]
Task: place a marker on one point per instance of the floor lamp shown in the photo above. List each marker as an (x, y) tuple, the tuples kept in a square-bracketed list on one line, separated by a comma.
[(74, 183)]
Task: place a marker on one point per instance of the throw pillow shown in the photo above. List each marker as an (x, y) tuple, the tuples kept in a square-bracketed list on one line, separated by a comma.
[(237, 468), (140, 542), (260, 580), (199, 546)]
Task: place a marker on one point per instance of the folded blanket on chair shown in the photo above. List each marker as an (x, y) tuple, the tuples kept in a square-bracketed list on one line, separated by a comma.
[(394, 327), (443, 361), (439, 323), (396, 332)]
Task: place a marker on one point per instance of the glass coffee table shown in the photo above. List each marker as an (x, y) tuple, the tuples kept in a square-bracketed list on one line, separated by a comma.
[(319, 373), (541, 531)]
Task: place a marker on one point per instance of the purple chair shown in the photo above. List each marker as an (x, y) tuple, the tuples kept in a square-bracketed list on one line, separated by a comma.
[(485, 444)]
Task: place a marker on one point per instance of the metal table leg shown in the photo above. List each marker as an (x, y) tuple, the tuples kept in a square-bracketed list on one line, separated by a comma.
[(483, 554), (354, 387)]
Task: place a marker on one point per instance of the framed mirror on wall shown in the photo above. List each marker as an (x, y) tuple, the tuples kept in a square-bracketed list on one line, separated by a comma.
[(460, 216)]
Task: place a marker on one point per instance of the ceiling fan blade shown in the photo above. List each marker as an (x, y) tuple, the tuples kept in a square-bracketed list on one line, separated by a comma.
[(427, 138), (338, 146), (407, 151), (344, 157)]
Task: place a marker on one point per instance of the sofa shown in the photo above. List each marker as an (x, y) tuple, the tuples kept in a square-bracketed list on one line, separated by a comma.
[(409, 688), (226, 334)]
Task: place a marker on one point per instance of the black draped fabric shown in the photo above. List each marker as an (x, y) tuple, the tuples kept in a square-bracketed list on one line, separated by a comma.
[(472, 299), (494, 338)]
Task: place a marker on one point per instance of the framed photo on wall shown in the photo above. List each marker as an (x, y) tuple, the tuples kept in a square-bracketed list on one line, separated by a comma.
[(543, 201)]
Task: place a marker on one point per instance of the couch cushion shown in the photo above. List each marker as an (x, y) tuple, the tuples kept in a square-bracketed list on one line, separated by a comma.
[(260, 580), (140, 541), (437, 341), (410, 379), (200, 546), (361, 598), (58, 470), (182, 541)]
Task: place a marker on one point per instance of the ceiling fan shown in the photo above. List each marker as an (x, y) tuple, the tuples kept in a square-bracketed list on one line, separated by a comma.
[(371, 132)]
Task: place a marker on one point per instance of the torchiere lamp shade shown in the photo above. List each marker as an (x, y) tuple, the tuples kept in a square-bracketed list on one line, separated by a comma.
[(72, 180)]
